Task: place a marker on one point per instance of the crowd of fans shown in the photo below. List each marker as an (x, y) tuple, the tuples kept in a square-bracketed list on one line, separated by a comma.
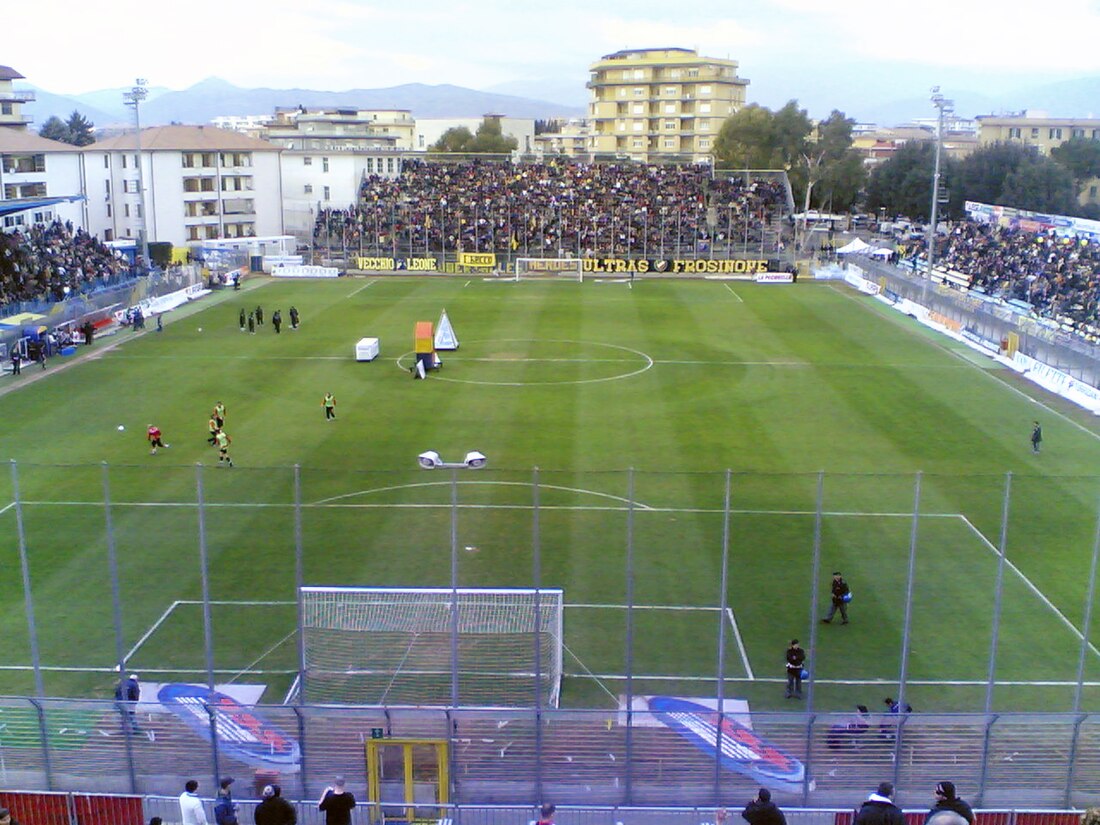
[(40, 262), (555, 209), (1058, 276)]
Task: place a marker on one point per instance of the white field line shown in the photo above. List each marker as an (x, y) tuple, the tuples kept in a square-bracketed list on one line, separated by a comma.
[(735, 295), (151, 630), (360, 289), (638, 507), (782, 680), (740, 645), (991, 374), (1030, 584), (466, 284), (6, 508), (165, 670)]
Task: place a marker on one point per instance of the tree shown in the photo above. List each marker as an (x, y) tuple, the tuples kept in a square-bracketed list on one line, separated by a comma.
[(1041, 185), (747, 140), (488, 139), (81, 130), (56, 129), (1081, 156), (903, 184)]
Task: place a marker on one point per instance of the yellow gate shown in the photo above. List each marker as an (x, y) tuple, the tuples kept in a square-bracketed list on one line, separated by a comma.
[(407, 779)]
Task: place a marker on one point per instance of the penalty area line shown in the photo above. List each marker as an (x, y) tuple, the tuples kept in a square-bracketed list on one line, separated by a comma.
[(151, 631), (360, 289), (734, 294), (740, 644)]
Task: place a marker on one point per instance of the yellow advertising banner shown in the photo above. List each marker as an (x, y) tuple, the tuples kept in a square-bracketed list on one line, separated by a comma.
[(477, 260)]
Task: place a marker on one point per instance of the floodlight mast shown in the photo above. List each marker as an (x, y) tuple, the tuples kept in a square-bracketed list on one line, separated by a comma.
[(134, 97), (943, 106)]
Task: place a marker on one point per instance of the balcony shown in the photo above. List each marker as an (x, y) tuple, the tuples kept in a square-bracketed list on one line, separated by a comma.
[(12, 96)]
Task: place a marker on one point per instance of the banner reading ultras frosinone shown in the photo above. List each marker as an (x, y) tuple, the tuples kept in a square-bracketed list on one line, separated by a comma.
[(693, 266), (397, 264)]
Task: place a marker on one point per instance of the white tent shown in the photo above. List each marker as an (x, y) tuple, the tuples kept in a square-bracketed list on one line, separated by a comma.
[(853, 247), (881, 252)]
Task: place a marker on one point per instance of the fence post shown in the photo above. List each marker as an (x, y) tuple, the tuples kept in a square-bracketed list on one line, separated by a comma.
[(990, 720), (212, 713), (28, 596), (815, 573), (303, 751), (299, 582), (112, 565), (627, 785), (44, 733), (536, 572), (723, 601), (454, 588), (807, 763), (207, 629), (907, 628), (998, 595)]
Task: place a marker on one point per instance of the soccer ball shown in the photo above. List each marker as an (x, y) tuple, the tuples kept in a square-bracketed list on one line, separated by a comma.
[(121, 427), (200, 329)]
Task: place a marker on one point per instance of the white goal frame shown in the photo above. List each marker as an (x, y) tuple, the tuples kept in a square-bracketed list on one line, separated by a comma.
[(394, 645), (555, 268)]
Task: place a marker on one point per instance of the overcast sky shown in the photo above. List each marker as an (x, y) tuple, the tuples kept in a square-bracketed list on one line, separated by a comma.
[(342, 44)]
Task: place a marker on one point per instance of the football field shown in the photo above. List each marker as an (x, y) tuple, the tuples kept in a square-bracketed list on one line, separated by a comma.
[(835, 418)]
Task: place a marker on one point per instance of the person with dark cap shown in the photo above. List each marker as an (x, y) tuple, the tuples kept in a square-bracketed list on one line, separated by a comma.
[(225, 809), (842, 594), (274, 810), (796, 657), (946, 800), (546, 814), (337, 803), (6, 817), (879, 809), (762, 811)]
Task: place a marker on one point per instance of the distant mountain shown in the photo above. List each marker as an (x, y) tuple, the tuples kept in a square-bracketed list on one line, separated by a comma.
[(112, 102), (46, 105), (214, 97), (568, 92)]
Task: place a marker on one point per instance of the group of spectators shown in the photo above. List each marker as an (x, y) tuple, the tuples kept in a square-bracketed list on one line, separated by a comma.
[(1058, 276), (555, 209), (336, 803), (44, 261)]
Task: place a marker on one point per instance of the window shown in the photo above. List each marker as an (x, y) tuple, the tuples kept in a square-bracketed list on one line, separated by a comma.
[(328, 193), (704, 143), (670, 143), (307, 161), (1055, 134), (1014, 132), (137, 209), (370, 162), (1078, 133), (639, 74), (309, 188), (5, 108), (671, 91), (670, 108), (704, 125), (106, 161), (704, 108), (693, 72), (130, 187), (639, 108), (704, 90), (107, 186), (637, 125), (621, 125), (124, 161), (389, 165), (125, 210), (108, 210), (637, 143), (674, 73), (639, 91), (622, 91), (324, 164), (670, 125), (1035, 131)]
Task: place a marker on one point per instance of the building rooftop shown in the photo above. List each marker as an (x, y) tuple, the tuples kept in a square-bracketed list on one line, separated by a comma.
[(186, 139), (624, 53), (8, 73), (22, 140)]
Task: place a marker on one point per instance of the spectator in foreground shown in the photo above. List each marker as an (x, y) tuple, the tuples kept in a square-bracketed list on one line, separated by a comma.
[(225, 809), (274, 810), (337, 803), (879, 809), (762, 811), (191, 810), (6, 818), (946, 800), (546, 814)]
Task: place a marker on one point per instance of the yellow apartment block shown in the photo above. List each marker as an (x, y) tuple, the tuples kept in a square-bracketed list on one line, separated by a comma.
[(653, 103), (1044, 133)]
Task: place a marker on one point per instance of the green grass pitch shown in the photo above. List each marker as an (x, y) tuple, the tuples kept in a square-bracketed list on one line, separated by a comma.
[(678, 380)]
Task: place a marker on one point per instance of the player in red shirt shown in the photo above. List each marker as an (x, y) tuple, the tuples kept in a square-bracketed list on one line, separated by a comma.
[(153, 434)]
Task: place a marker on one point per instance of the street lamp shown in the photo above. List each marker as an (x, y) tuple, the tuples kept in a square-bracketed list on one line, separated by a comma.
[(134, 97), (943, 106)]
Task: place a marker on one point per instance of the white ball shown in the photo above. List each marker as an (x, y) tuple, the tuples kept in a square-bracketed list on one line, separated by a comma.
[(121, 427), (200, 329)]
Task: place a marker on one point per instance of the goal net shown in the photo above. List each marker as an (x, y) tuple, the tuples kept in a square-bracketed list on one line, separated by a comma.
[(550, 267), (393, 646)]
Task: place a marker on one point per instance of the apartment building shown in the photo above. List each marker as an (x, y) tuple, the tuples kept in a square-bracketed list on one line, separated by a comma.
[(201, 183), (570, 139), (1035, 129), (667, 102)]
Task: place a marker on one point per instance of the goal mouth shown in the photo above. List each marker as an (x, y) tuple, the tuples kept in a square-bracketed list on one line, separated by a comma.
[(550, 268), (495, 647)]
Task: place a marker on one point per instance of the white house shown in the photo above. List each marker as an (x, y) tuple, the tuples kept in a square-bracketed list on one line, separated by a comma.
[(430, 129), (45, 175), (201, 183)]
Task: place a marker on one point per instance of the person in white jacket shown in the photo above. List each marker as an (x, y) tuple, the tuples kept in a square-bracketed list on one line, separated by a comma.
[(191, 810)]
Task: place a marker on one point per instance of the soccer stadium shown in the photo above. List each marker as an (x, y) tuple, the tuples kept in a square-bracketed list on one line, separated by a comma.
[(514, 482)]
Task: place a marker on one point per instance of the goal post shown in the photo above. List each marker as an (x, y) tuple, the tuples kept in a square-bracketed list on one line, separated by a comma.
[(394, 645), (569, 268)]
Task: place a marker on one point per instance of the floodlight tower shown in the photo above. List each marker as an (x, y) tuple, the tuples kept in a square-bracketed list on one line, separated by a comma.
[(943, 107), (134, 97)]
